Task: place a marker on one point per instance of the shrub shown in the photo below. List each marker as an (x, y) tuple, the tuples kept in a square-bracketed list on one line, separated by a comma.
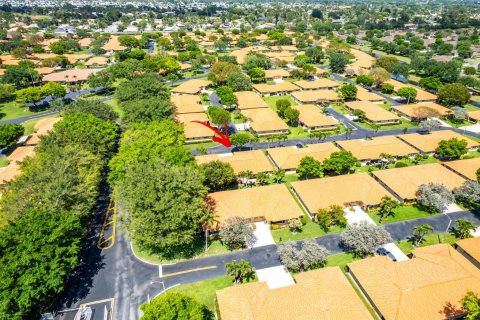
[(303, 220), (400, 164)]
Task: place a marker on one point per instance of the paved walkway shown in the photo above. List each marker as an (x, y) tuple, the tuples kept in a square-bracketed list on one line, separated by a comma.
[(262, 235), (275, 277)]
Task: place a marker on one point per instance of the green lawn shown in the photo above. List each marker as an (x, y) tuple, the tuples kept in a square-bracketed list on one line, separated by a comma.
[(214, 248), (3, 161), (271, 101), (11, 110), (114, 104), (404, 123), (206, 145), (204, 291), (341, 260), (402, 213), (384, 54), (30, 124), (407, 245), (309, 231)]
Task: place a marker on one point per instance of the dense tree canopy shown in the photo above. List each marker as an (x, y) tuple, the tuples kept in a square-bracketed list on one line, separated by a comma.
[(175, 306), (142, 87), (164, 205), (37, 254), (146, 110), (454, 94), (9, 134), (452, 148), (146, 142), (217, 174)]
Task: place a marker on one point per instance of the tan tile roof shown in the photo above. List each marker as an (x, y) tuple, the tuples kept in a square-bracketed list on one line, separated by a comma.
[(406, 181), (264, 119), (372, 149), (318, 294), (277, 87), (320, 83), (471, 246), (100, 61), (193, 86), (273, 202), (288, 158), (85, 42), (113, 45), (474, 115), (253, 160), (467, 168), (365, 95), (422, 95), (339, 190), (415, 110), (42, 127), (185, 66), (429, 286), (72, 75), (249, 100), (311, 116), (429, 142), (315, 95), (9, 173), (187, 104), (74, 58), (372, 111), (276, 73), (194, 130), (44, 70), (21, 153)]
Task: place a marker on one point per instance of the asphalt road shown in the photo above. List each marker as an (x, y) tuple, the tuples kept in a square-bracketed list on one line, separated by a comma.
[(116, 273)]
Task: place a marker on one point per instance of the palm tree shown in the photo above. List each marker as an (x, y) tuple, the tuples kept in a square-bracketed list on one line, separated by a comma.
[(348, 132), (462, 228), (387, 157), (239, 271), (419, 232), (386, 206), (210, 220), (375, 128)]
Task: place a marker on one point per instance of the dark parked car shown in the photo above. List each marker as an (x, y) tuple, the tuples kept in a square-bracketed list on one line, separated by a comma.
[(384, 252)]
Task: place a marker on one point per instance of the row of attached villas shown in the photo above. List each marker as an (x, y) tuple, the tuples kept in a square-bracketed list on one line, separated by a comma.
[(427, 286)]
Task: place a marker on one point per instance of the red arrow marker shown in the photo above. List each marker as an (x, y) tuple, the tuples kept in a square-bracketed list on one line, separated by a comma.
[(223, 139)]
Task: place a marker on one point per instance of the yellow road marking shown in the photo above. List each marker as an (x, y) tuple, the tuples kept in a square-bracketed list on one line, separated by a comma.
[(106, 222), (188, 271)]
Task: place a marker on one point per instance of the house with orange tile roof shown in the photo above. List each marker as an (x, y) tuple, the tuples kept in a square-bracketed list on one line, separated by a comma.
[(428, 286), (251, 204), (404, 182), (253, 160), (317, 294), (470, 249)]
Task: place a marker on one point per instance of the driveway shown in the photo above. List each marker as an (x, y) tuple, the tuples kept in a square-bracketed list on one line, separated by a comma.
[(262, 236)]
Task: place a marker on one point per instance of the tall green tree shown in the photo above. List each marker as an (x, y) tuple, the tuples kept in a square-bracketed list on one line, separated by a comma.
[(9, 134), (37, 255), (309, 168), (217, 174), (147, 142), (164, 206)]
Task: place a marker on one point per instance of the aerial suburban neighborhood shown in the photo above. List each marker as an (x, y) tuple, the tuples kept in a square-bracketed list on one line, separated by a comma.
[(250, 160)]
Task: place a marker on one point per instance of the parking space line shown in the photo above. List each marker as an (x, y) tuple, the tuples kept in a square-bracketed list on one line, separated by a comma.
[(110, 219)]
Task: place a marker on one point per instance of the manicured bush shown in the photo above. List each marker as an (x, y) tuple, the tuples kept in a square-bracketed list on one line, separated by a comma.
[(400, 164)]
